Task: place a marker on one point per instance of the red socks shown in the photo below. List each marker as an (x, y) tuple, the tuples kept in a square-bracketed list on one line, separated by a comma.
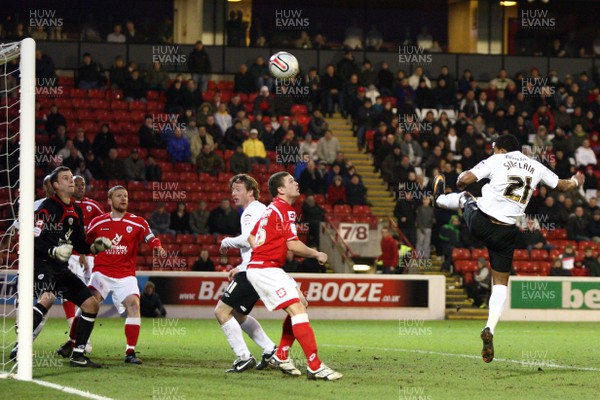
[(132, 333), (306, 337), (287, 339)]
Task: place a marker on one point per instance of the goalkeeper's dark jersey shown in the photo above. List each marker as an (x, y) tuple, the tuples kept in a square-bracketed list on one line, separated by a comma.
[(58, 223)]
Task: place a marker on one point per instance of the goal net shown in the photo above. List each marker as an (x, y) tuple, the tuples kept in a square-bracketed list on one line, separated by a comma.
[(17, 188)]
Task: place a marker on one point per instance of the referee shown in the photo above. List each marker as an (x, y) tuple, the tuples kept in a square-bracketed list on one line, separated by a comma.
[(492, 218), (58, 230)]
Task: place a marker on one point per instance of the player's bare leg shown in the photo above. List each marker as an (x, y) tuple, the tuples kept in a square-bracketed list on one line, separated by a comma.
[(85, 325), (233, 332), (45, 302), (496, 306), (305, 335), (132, 327)]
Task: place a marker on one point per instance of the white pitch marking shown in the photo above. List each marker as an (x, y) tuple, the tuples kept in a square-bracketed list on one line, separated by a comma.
[(439, 353)]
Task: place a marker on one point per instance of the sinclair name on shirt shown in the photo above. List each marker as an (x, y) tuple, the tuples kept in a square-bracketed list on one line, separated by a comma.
[(117, 250), (515, 164)]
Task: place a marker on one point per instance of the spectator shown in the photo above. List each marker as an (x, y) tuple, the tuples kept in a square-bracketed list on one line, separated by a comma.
[(89, 75), (424, 96), (160, 220), (150, 304), (558, 267), (178, 148), (310, 180), (424, 222), (356, 192), (577, 226), (260, 72), (331, 88), (291, 264), (591, 262), (336, 193), (209, 162), (328, 147), (175, 98), (593, 227), (153, 171), (317, 125), (199, 219), (94, 166), (264, 103), (374, 39), (198, 141), (347, 66), (568, 258), (243, 82), (44, 70), (405, 212), (309, 147), (303, 42), (224, 220), (116, 36), (192, 97), (204, 112), (149, 137), (385, 80), (53, 120), (113, 166), (479, 288), (83, 171), (389, 253), (204, 263), (313, 214), (543, 117), (449, 236), (234, 136), (157, 78), (502, 80), (416, 77), (73, 157), (531, 237), (584, 155), (103, 142), (135, 87), (118, 74), (390, 168), (412, 149), (255, 149), (240, 163), (135, 169), (223, 118), (132, 35), (180, 219), (366, 118), (81, 142)]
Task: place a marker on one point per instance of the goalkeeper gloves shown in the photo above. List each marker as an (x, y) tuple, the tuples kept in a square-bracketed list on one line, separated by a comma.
[(100, 244), (62, 252)]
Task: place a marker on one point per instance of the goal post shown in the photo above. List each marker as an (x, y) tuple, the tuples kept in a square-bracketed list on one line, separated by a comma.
[(17, 191), (26, 211)]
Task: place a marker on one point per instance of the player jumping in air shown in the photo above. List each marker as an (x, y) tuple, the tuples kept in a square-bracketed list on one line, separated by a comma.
[(80, 265), (274, 234), (114, 270), (237, 302), (59, 230), (491, 219)]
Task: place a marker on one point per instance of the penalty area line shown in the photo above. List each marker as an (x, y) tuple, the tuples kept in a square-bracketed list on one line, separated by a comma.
[(443, 354)]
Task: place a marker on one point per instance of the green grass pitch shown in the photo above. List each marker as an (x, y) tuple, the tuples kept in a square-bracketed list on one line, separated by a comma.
[(417, 360)]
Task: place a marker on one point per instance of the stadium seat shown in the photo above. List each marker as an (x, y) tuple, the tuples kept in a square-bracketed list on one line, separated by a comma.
[(477, 253), (521, 255), (119, 105), (165, 238), (539, 254), (461, 254), (75, 92), (115, 95), (101, 103), (580, 272), (189, 249), (96, 94), (205, 239), (342, 209)]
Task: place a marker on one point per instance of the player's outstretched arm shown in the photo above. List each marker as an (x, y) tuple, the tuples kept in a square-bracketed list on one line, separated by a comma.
[(302, 250), (465, 179), (564, 185)]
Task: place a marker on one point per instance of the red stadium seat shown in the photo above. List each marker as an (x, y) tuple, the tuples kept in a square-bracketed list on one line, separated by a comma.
[(461, 254), (205, 239), (539, 254), (521, 255), (189, 249), (342, 209), (75, 92), (477, 253), (185, 239), (97, 94)]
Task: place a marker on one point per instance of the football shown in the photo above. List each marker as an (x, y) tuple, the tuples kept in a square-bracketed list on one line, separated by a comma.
[(283, 65)]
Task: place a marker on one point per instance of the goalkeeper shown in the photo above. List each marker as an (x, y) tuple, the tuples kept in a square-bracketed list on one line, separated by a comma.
[(58, 230)]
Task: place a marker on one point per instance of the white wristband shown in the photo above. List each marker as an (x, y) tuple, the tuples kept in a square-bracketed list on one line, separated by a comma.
[(575, 181)]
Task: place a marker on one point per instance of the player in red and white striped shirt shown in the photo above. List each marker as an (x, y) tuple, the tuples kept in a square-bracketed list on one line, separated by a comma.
[(275, 234), (80, 265), (115, 271)]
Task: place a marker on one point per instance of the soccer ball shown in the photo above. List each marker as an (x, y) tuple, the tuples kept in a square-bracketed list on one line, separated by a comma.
[(283, 65)]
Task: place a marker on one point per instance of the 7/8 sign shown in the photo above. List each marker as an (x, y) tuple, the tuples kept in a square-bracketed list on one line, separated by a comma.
[(354, 232)]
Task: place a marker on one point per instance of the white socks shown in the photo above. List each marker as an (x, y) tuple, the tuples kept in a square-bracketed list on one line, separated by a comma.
[(449, 201), (496, 303), (233, 333), (253, 329)]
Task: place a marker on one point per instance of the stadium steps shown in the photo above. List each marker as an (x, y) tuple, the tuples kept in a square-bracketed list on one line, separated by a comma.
[(458, 306), (378, 194)]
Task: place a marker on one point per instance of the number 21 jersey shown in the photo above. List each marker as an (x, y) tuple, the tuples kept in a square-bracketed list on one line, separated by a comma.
[(513, 178)]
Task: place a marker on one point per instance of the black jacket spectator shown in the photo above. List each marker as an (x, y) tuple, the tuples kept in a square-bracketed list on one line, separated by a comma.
[(44, 70), (199, 62), (150, 304), (103, 142), (53, 120), (244, 82), (90, 73), (224, 220), (135, 86)]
